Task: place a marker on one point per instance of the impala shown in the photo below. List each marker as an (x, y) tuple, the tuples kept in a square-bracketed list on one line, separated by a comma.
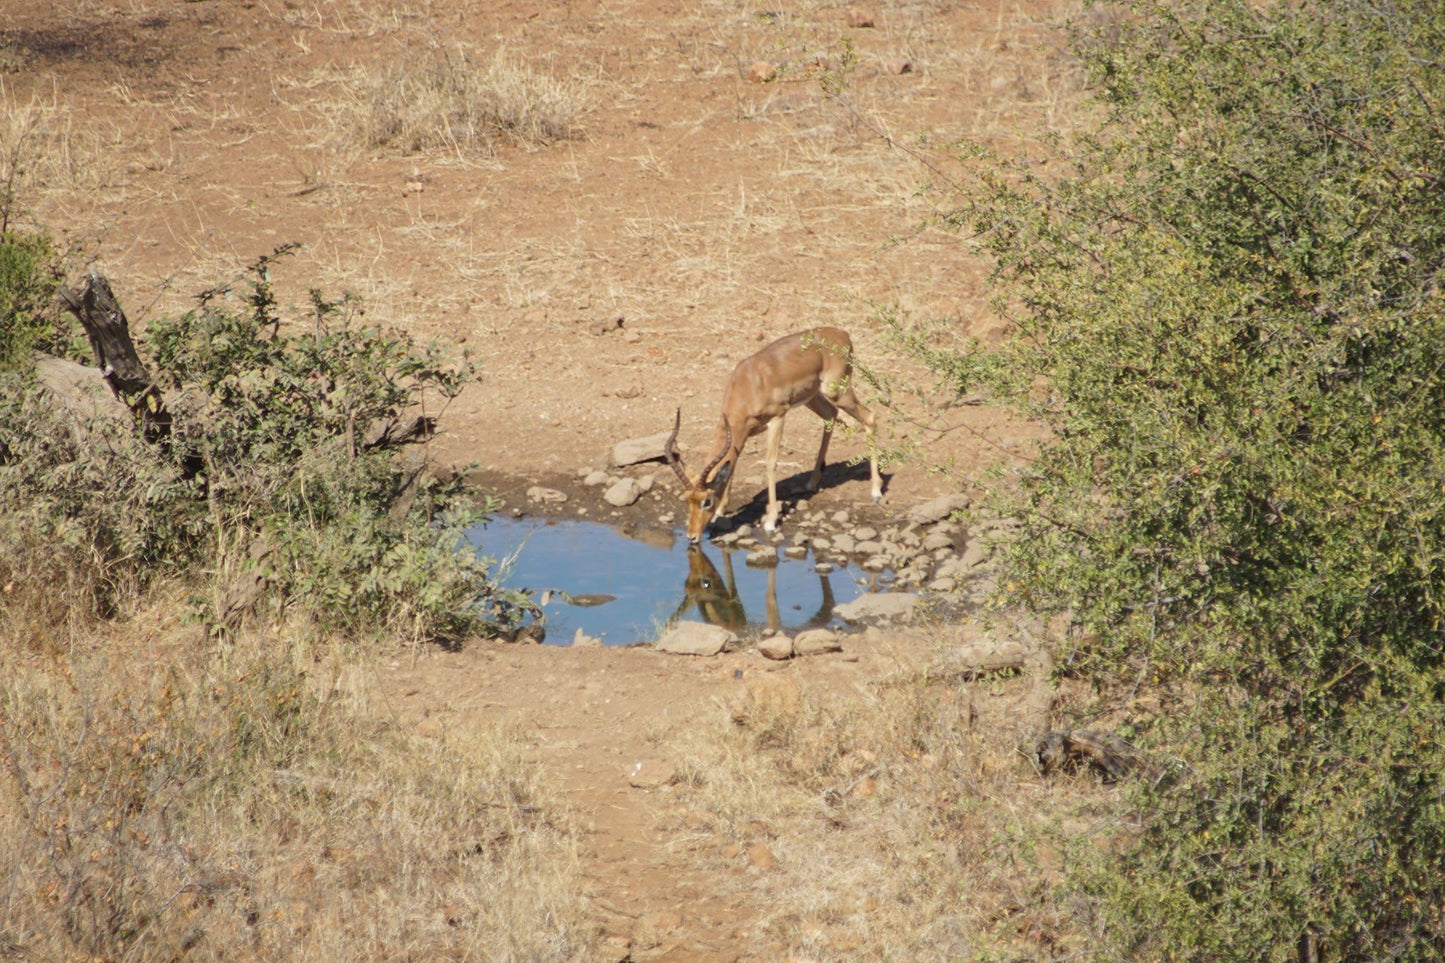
[(812, 368)]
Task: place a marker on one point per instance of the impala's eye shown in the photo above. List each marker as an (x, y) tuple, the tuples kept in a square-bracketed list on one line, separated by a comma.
[(707, 503)]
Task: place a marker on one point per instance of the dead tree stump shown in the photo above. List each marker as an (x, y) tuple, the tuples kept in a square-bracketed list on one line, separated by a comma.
[(108, 331)]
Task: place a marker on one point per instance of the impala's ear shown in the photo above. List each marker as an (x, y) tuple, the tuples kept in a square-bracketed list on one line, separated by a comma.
[(721, 478)]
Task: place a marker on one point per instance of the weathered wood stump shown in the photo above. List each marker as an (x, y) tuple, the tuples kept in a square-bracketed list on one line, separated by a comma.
[(108, 331)]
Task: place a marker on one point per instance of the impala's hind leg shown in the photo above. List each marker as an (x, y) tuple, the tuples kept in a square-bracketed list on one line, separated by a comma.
[(824, 409), (849, 402)]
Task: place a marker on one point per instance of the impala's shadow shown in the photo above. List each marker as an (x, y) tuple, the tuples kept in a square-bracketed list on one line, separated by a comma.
[(715, 594), (793, 487)]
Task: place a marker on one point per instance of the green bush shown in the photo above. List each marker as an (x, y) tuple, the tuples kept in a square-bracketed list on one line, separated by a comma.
[(268, 466), (27, 299), (1229, 291)]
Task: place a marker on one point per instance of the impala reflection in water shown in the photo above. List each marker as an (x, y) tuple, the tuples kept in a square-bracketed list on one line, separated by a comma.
[(622, 586), (716, 594)]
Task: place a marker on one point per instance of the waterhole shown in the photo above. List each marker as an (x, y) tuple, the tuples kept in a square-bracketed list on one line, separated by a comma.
[(624, 586)]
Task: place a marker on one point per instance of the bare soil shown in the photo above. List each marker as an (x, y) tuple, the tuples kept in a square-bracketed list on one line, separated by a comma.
[(708, 212)]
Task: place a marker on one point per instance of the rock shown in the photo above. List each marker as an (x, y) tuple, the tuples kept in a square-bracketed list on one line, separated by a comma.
[(943, 585), (635, 450), (596, 478), (584, 641), (939, 508), (821, 544), (875, 563), (975, 553), (695, 638), (762, 72), (878, 605), (954, 568), (796, 551), (899, 66), (645, 482), (776, 647), (762, 558), (865, 534), (841, 518), (823, 568), (623, 493), (869, 548), (651, 774), (937, 540), (549, 496), (843, 542), (859, 19), (816, 642)]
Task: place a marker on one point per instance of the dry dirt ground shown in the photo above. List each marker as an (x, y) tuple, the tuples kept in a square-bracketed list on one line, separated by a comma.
[(178, 141)]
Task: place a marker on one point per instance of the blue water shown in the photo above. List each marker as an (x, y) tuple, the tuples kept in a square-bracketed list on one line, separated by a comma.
[(655, 578)]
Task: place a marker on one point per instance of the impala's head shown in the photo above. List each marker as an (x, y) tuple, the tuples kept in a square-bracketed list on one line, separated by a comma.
[(702, 494)]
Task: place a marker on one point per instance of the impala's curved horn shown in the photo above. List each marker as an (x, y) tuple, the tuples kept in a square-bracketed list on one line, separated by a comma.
[(669, 451), (727, 447)]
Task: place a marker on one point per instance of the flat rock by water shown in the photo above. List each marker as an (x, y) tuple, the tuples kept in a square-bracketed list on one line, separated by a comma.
[(695, 638), (878, 605)]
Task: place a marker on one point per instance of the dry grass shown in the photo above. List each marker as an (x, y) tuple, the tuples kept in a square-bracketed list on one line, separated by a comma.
[(42, 151), (164, 796), (449, 101), (907, 821)]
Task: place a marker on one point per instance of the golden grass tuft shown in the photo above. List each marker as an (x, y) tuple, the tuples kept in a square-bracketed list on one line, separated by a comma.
[(449, 101)]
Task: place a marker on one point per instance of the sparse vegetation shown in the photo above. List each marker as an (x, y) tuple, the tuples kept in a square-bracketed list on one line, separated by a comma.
[(911, 825), (208, 793), (166, 796)]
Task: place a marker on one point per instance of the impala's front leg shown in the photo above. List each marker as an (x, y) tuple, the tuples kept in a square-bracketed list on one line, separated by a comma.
[(775, 441)]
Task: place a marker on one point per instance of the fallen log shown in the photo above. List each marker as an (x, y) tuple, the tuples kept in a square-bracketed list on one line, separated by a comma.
[(1104, 751), (982, 658)]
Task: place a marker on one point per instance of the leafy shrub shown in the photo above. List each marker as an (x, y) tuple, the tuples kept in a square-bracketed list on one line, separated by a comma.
[(269, 467), (1229, 291), (27, 294)]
